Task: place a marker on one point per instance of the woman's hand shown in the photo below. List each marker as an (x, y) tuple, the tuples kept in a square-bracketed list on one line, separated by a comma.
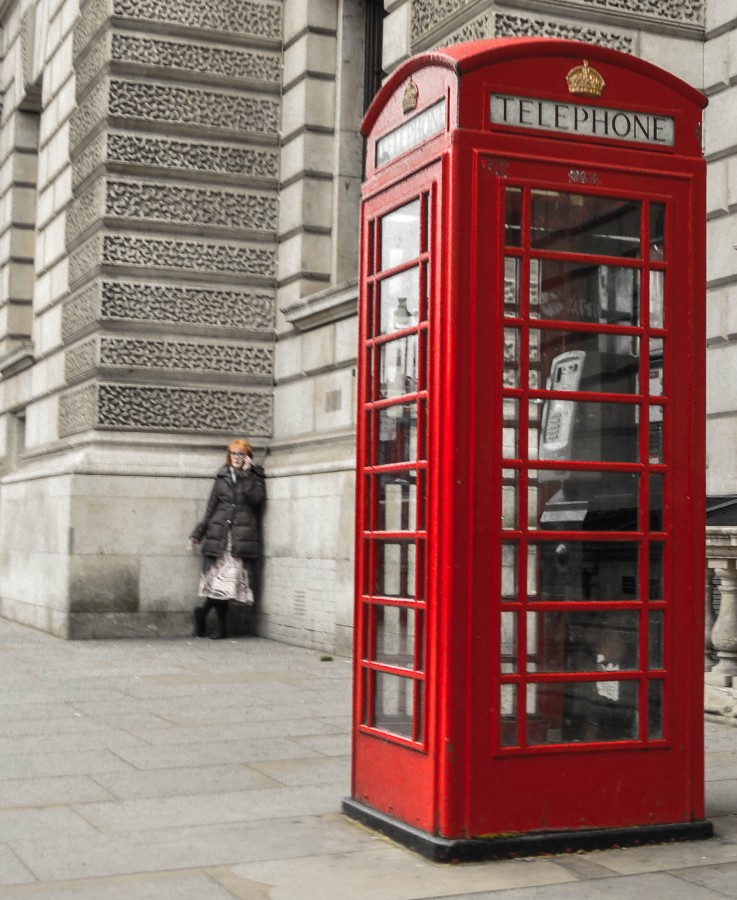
[(192, 543)]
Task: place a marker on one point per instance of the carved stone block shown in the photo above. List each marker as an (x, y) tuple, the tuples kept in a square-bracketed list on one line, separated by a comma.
[(521, 26), (77, 410), (174, 204), (248, 65), (187, 356), (168, 104), (89, 114), (192, 156), (246, 17), (137, 407), (92, 16)]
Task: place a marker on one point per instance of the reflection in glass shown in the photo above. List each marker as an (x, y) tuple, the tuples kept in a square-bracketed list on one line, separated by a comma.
[(510, 428), (400, 235), (657, 299), (509, 498), (395, 572), (592, 641), (655, 639), (655, 710), (580, 361), (533, 572), (397, 434), (398, 367), (397, 495), (655, 435), (578, 223), (657, 231), (655, 578), (508, 711), (589, 432), (534, 417), (588, 570), (394, 704), (579, 712), (511, 286), (399, 302), (513, 217), (509, 642), (511, 358), (509, 571), (563, 500), (584, 292), (656, 502), (656, 367), (395, 635)]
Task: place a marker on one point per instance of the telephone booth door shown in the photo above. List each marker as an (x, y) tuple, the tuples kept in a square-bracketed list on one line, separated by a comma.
[(530, 454), (590, 467)]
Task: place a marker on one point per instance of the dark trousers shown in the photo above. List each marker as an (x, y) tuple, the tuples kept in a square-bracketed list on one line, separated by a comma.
[(221, 610)]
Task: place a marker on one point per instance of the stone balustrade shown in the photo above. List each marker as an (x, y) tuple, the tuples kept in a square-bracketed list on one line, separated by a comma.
[(720, 632)]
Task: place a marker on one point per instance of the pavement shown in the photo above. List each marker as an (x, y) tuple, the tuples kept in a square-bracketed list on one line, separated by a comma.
[(192, 769)]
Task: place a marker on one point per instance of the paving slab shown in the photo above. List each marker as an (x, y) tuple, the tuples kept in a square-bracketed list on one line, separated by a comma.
[(201, 770)]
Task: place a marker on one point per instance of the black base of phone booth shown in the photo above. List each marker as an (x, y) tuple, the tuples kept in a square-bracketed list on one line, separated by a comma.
[(445, 850)]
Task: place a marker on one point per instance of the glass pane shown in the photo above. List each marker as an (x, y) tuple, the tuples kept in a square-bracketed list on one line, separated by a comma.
[(509, 571), (562, 500), (655, 710), (395, 575), (508, 710), (398, 367), (656, 502), (513, 217), (397, 434), (394, 704), (510, 428), (576, 431), (509, 642), (510, 502), (399, 302), (397, 496), (511, 357), (533, 572), (534, 419), (655, 639), (400, 235), (511, 286), (655, 579), (577, 361), (584, 292), (578, 223), (657, 299), (395, 635), (657, 231), (575, 712), (591, 641), (655, 437), (588, 570), (656, 367)]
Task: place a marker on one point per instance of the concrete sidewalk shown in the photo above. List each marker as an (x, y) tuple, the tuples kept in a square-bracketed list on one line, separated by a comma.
[(202, 770)]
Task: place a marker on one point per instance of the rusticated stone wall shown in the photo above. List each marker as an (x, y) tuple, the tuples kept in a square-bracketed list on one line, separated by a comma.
[(173, 221)]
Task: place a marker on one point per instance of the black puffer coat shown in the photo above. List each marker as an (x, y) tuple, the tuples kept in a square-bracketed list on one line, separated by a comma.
[(233, 507)]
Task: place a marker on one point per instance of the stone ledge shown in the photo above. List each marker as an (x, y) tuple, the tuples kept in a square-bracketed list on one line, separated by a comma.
[(324, 307)]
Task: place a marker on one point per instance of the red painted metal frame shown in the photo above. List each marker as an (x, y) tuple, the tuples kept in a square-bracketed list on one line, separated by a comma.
[(455, 780)]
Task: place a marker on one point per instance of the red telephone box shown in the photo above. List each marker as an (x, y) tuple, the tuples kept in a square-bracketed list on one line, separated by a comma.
[(530, 486)]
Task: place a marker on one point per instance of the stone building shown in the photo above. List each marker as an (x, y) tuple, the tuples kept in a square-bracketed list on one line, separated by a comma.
[(180, 185)]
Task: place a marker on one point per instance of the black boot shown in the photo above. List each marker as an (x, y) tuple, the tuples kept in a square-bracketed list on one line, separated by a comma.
[(199, 621), (221, 608)]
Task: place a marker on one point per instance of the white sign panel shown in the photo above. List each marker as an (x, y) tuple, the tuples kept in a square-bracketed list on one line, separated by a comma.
[(581, 120), (412, 133)]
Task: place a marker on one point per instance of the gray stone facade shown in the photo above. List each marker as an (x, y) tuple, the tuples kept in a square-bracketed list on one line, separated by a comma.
[(180, 195)]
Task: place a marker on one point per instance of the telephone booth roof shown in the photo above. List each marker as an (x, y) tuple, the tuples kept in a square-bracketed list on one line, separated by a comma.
[(466, 74)]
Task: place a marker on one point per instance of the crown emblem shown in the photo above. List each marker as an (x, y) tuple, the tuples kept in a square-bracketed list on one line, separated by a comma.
[(585, 80), (411, 95)]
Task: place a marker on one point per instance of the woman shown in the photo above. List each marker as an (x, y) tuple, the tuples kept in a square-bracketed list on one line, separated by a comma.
[(229, 534)]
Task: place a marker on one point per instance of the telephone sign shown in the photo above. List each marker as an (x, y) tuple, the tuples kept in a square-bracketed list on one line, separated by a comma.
[(530, 473)]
